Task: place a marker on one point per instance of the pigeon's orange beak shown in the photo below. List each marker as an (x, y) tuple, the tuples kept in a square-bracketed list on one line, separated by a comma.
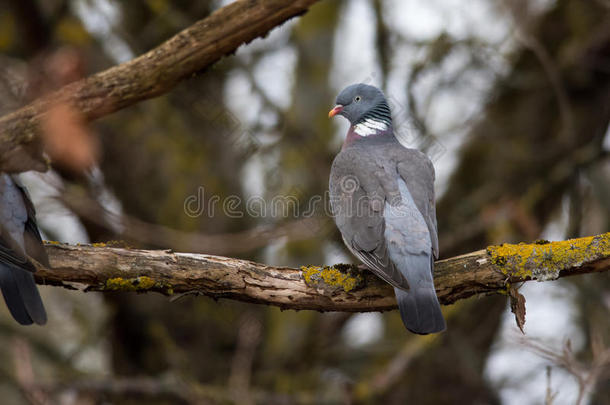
[(336, 110)]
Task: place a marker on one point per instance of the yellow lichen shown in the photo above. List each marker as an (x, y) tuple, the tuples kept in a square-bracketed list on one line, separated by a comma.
[(111, 243), (338, 276), (146, 282), (141, 283), (544, 261), (118, 283)]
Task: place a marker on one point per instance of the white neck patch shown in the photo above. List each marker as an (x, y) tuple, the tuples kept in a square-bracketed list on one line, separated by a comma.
[(370, 127)]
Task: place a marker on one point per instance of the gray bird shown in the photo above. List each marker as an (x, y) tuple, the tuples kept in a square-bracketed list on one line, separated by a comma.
[(382, 199), (20, 240)]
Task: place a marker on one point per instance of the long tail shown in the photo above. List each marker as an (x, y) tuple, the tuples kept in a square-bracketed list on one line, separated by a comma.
[(21, 295), (419, 307), (420, 310)]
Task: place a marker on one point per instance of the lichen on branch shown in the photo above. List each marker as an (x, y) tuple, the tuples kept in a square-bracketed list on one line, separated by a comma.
[(544, 260), (342, 276), (323, 288)]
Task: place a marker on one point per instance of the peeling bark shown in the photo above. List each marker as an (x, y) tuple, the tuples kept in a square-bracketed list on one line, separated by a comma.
[(336, 288)]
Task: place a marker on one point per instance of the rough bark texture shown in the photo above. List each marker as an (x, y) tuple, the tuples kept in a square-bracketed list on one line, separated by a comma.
[(146, 76), (336, 288)]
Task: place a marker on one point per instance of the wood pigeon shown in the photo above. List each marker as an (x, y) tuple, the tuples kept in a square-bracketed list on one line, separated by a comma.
[(382, 199), (19, 240)]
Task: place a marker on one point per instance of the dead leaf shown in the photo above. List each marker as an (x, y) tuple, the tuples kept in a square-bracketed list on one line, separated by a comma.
[(68, 139), (517, 307)]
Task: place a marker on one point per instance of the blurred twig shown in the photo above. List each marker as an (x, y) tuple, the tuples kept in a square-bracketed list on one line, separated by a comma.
[(518, 10), (249, 336), (161, 236), (550, 395), (138, 387), (587, 375), (175, 390), (24, 373), (382, 39), (395, 369)]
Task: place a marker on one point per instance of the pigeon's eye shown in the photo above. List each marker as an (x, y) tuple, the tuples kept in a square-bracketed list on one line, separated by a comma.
[(357, 99)]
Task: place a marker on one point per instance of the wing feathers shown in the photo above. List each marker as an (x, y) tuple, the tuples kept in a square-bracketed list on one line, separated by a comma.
[(357, 202), (399, 251), (19, 237)]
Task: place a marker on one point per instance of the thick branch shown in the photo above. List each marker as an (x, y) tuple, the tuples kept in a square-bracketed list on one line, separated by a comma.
[(146, 76), (337, 288)]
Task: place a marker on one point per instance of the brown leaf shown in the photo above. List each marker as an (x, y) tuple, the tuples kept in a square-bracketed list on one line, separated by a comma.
[(67, 138), (517, 307)]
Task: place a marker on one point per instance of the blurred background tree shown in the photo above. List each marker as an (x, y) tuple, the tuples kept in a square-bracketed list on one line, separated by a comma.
[(510, 99)]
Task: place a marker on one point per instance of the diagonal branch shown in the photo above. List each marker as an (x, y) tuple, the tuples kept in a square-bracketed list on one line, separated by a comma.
[(149, 75), (336, 288)]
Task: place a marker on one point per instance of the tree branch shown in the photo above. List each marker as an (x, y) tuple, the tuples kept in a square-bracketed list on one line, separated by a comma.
[(336, 288), (149, 75)]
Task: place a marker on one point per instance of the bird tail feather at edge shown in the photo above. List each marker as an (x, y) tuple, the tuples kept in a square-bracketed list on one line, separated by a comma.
[(21, 295), (420, 310), (419, 307)]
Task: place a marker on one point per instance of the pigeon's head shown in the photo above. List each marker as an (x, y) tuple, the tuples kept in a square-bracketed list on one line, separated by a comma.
[(359, 101)]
